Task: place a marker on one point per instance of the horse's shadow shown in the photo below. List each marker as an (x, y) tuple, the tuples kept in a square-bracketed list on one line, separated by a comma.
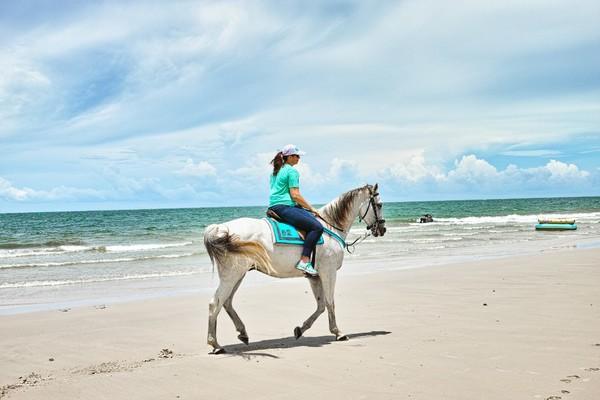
[(254, 349)]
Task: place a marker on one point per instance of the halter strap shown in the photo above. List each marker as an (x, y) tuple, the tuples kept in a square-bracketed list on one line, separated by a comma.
[(371, 204)]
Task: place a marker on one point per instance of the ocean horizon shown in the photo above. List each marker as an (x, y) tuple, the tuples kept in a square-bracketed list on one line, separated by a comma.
[(142, 208)]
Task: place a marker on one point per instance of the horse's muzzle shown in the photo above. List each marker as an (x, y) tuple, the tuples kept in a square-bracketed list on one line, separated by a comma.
[(378, 228)]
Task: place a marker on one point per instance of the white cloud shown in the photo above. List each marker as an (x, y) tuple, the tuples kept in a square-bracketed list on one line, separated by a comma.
[(472, 170), (9, 192), (256, 167), (201, 168), (415, 169), (341, 168), (562, 172), (472, 175)]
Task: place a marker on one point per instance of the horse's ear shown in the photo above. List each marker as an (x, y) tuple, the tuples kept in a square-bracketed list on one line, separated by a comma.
[(375, 187)]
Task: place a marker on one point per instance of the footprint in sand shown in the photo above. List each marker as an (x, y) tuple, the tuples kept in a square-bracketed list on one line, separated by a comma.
[(32, 379), (570, 378), (165, 353)]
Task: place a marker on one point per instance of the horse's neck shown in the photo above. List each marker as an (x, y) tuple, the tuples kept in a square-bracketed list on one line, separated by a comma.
[(352, 211)]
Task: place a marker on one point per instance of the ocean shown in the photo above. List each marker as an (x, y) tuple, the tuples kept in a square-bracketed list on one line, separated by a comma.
[(64, 259)]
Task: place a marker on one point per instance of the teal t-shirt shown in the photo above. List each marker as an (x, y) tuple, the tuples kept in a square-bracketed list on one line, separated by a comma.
[(286, 178)]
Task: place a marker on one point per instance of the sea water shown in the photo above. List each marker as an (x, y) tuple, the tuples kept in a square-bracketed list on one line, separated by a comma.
[(63, 259)]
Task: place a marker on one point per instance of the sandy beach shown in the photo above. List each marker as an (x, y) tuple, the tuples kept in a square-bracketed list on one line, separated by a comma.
[(518, 327)]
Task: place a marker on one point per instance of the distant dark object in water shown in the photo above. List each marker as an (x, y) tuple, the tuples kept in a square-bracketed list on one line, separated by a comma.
[(426, 218)]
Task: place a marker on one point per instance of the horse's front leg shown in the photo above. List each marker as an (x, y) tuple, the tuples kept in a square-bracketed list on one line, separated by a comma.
[(328, 282), (317, 289)]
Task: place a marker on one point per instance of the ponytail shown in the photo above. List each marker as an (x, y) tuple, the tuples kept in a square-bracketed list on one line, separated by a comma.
[(277, 162)]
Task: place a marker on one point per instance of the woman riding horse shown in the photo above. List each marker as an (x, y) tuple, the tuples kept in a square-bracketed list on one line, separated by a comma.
[(287, 202)]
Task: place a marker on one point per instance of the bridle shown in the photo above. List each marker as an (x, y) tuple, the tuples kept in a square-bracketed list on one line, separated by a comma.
[(378, 220), (377, 225)]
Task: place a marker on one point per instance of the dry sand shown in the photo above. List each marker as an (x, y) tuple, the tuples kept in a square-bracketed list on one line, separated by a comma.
[(512, 328)]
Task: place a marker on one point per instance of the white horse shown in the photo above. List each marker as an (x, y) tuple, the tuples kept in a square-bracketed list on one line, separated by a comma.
[(244, 244)]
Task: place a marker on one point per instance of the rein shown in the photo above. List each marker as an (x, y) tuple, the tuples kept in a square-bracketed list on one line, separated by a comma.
[(378, 220), (356, 241), (346, 245), (329, 223)]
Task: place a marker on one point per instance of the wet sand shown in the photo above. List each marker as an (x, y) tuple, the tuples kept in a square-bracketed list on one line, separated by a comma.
[(514, 328)]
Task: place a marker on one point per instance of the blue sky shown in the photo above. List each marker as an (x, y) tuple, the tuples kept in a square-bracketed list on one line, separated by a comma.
[(142, 104)]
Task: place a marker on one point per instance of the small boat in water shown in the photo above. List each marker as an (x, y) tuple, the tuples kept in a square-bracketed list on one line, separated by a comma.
[(556, 221), (425, 219), (555, 224), (555, 227)]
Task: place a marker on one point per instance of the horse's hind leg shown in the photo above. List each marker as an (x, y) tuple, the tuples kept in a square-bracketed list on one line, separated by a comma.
[(226, 285), (317, 289), (228, 305)]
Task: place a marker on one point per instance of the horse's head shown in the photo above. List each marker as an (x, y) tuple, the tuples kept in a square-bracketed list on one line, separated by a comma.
[(371, 212)]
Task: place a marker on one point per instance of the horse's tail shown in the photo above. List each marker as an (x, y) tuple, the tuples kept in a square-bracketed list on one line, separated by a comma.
[(219, 243)]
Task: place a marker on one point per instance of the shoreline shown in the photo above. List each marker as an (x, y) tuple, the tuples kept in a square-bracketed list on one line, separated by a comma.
[(517, 327), (144, 289)]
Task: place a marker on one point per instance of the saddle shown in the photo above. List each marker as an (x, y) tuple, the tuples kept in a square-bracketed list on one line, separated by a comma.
[(284, 233), (287, 234), (276, 217)]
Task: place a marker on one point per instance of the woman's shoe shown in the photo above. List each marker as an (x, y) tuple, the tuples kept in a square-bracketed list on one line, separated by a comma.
[(302, 265), (307, 267), (311, 270)]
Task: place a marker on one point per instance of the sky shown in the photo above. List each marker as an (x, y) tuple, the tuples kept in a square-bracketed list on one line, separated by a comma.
[(152, 104)]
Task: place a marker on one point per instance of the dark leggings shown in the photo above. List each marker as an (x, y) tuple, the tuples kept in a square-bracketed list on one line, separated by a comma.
[(303, 220)]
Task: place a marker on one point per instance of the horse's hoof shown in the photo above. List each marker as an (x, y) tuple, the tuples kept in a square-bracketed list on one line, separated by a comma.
[(342, 338), (243, 338), (297, 332), (218, 350)]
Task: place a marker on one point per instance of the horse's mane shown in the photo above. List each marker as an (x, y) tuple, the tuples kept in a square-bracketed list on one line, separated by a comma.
[(338, 210)]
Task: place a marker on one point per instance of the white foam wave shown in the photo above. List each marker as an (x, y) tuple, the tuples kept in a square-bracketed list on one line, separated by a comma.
[(45, 251), (431, 240), (144, 247), (358, 231), (101, 261), (92, 280), (515, 219), (42, 251)]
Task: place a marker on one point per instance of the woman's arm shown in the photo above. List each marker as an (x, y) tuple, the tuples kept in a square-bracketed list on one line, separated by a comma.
[(297, 197)]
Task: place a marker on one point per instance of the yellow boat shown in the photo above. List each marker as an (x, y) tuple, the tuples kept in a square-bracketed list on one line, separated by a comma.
[(557, 221)]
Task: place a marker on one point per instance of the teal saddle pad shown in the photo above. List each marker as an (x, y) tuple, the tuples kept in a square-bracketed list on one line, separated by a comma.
[(287, 234)]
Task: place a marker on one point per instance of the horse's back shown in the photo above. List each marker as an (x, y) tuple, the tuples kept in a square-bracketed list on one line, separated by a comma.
[(251, 229)]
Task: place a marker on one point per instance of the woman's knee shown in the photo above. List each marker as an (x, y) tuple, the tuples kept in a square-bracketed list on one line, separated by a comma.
[(318, 228)]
